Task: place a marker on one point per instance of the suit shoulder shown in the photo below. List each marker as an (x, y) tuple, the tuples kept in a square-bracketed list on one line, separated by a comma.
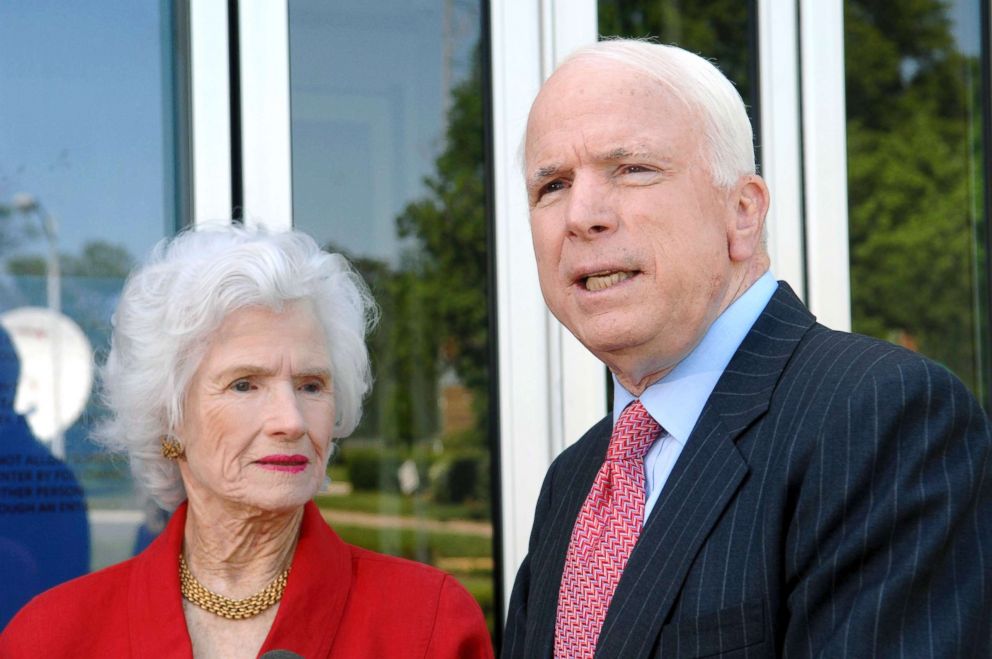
[(839, 381), (830, 356)]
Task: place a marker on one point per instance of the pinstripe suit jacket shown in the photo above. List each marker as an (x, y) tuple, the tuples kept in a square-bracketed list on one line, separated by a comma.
[(834, 499)]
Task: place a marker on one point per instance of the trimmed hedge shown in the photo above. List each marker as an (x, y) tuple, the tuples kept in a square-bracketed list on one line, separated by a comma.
[(456, 476)]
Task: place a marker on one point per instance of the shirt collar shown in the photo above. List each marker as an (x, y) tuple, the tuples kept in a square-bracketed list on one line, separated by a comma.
[(676, 400)]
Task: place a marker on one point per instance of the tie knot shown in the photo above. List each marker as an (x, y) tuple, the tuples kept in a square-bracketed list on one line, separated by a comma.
[(633, 434)]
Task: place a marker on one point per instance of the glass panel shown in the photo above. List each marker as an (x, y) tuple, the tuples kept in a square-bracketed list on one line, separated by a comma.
[(389, 169), (85, 146), (916, 178), (721, 30)]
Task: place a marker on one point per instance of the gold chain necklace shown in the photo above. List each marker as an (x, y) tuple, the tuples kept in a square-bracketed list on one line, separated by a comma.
[(225, 607)]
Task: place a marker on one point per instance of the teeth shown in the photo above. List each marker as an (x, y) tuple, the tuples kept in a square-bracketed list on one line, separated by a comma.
[(602, 282)]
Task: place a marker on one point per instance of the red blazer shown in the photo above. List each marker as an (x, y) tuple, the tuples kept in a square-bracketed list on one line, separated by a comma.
[(340, 601)]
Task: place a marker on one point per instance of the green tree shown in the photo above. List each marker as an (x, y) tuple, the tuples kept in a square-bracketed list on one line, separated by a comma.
[(915, 192), (449, 276), (717, 29), (97, 259)]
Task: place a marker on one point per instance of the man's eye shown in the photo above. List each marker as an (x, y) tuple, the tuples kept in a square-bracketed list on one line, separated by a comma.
[(551, 187), (633, 169)]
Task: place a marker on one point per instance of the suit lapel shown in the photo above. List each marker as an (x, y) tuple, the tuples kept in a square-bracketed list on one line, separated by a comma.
[(703, 482), (571, 482)]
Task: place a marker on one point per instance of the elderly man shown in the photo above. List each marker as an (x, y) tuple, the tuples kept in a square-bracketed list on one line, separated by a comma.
[(765, 486)]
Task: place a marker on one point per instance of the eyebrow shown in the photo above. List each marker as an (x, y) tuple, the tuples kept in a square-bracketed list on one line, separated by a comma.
[(622, 153), (543, 173), (248, 370), (619, 153)]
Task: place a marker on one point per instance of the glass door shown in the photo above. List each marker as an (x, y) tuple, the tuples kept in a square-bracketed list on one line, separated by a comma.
[(88, 171), (389, 168)]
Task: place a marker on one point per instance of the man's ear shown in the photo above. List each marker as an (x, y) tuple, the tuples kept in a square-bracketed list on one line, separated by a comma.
[(749, 201)]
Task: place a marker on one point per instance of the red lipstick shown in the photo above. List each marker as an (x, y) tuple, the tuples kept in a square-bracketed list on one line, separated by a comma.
[(293, 464)]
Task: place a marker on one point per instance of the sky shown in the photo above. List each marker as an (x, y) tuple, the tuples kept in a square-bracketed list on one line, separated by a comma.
[(82, 102)]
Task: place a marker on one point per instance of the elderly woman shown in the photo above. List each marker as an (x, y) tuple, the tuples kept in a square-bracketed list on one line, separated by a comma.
[(236, 357)]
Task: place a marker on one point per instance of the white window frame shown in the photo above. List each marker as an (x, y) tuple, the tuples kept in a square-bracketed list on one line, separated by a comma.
[(210, 112), (551, 389), (781, 139), (266, 146), (828, 265)]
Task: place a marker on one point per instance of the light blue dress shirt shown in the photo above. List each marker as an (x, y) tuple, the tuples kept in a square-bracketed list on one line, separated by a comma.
[(676, 400)]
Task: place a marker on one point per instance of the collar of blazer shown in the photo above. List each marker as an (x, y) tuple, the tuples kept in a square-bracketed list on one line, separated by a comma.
[(704, 480)]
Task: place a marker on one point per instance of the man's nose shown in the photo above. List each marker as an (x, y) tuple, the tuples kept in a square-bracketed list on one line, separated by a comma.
[(590, 211), (285, 418)]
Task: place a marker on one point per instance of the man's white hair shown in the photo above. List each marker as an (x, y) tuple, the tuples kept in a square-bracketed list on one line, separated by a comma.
[(727, 135), (172, 304)]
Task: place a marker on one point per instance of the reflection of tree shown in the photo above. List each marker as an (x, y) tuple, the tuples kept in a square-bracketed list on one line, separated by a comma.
[(718, 29), (914, 151), (404, 352), (97, 259), (450, 226)]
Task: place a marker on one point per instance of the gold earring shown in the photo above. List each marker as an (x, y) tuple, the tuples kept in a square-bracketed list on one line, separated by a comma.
[(172, 449)]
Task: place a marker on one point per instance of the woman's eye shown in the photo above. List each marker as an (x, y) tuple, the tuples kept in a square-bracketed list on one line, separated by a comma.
[(242, 386), (312, 387)]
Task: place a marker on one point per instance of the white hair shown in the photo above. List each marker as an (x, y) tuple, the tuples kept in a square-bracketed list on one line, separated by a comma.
[(727, 134), (173, 303)]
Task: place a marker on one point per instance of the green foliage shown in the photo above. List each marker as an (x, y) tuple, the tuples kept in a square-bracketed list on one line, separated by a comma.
[(97, 259), (450, 227), (419, 505), (435, 309), (717, 29), (372, 470), (461, 476), (417, 544), (915, 181)]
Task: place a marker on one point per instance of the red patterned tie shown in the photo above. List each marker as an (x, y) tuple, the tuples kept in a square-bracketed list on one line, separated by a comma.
[(604, 535)]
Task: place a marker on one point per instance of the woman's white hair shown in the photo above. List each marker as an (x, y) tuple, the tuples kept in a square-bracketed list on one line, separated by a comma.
[(727, 134), (173, 303)]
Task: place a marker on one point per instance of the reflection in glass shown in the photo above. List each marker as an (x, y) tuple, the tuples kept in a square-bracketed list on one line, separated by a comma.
[(915, 167), (85, 184), (721, 30), (388, 168)]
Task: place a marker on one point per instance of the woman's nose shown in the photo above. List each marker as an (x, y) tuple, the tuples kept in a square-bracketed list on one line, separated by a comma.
[(285, 418)]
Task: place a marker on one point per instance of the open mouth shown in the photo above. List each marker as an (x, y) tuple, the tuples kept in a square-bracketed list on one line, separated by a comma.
[(603, 280)]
